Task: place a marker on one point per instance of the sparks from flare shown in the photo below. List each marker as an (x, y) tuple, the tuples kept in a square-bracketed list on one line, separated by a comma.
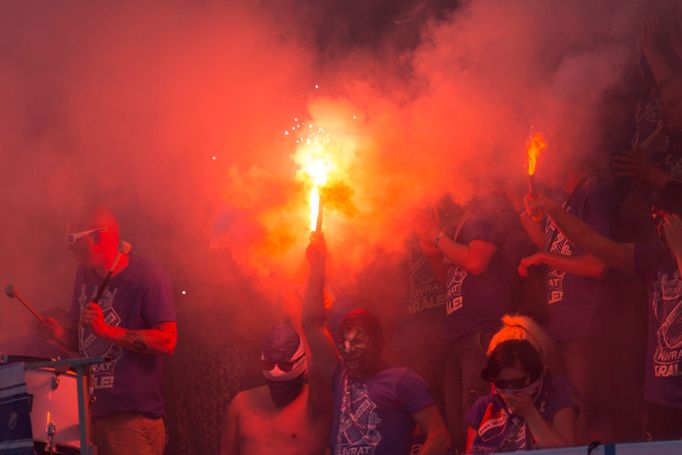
[(315, 164)]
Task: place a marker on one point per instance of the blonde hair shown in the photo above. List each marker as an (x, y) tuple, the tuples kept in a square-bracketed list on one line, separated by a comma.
[(523, 328)]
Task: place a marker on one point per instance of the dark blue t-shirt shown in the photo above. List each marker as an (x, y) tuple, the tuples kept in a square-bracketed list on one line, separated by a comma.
[(478, 302), (139, 297), (374, 416), (499, 431), (663, 379), (573, 300)]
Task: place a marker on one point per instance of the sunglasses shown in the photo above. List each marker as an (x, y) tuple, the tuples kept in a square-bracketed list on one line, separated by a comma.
[(73, 237), (284, 366), (511, 384)]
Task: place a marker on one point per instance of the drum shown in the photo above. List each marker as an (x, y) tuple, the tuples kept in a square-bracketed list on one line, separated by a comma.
[(54, 410), (53, 402)]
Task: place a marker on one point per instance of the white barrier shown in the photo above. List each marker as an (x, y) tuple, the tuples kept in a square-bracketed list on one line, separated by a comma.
[(640, 448)]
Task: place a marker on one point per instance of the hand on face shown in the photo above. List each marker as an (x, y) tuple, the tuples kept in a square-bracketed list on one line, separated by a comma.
[(519, 403), (92, 317)]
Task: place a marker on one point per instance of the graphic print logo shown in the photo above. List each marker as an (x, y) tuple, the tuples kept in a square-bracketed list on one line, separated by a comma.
[(667, 308), (425, 291), (358, 422), (454, 298), (91, 345), (559, 244)]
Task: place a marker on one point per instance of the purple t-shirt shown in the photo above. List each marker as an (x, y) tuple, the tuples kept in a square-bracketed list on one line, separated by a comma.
[(663, 380), (499, 431), (478, 302), (139, 297), (573, 300), (374, 416)]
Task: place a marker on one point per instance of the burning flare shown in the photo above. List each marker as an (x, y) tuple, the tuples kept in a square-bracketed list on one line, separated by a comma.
[(536, 145), (312, 155), (318, 174)]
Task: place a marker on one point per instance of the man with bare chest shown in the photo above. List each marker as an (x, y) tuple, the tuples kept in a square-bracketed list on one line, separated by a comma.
[(285, 416)]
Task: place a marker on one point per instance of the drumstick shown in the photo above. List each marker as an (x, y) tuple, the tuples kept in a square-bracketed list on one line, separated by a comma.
[(123, 248), (13, 293)]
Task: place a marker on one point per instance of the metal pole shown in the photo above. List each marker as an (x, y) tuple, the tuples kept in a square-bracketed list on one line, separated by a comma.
[(85, 444)]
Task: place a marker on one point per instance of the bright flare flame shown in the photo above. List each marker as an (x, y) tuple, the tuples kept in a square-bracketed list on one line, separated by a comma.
[(535, 146), (317, 171), (312, 155)]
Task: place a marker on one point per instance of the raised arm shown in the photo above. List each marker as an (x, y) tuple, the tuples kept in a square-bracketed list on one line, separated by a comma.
[(614, 254), (325, 354)]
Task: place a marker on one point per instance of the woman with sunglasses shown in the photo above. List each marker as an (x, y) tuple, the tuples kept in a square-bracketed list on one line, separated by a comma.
[(527, 407)]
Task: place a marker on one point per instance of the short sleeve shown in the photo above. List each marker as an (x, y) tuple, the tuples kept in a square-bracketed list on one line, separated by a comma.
[(474, 415), (413, 392), (598, 209), (483, 223), (563, 395), (159, 301)]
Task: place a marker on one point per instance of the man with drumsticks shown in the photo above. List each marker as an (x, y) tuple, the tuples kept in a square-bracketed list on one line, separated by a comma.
[(133, 323)]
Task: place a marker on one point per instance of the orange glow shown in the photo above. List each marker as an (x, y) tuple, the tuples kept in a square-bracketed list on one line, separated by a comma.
[(535, 147), (312, 155)]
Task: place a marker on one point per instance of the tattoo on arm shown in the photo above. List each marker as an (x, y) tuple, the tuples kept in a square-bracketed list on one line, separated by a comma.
[(134, 341)]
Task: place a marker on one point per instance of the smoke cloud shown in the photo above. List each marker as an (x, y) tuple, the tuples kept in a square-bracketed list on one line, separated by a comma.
[(175, 113)]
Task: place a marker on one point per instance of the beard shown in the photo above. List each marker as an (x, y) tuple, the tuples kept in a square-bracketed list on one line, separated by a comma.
[(284, 392)]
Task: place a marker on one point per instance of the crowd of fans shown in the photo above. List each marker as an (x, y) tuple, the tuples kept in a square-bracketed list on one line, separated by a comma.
[(476, 378)]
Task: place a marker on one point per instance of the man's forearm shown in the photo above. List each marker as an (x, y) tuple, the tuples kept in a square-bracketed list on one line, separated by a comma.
[(146, 341), (585, 265), (612, 253), (313, 300), (437, 442), (534, 230)]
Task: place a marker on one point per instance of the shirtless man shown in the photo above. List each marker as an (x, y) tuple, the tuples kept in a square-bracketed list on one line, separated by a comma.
[(285, 416)]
